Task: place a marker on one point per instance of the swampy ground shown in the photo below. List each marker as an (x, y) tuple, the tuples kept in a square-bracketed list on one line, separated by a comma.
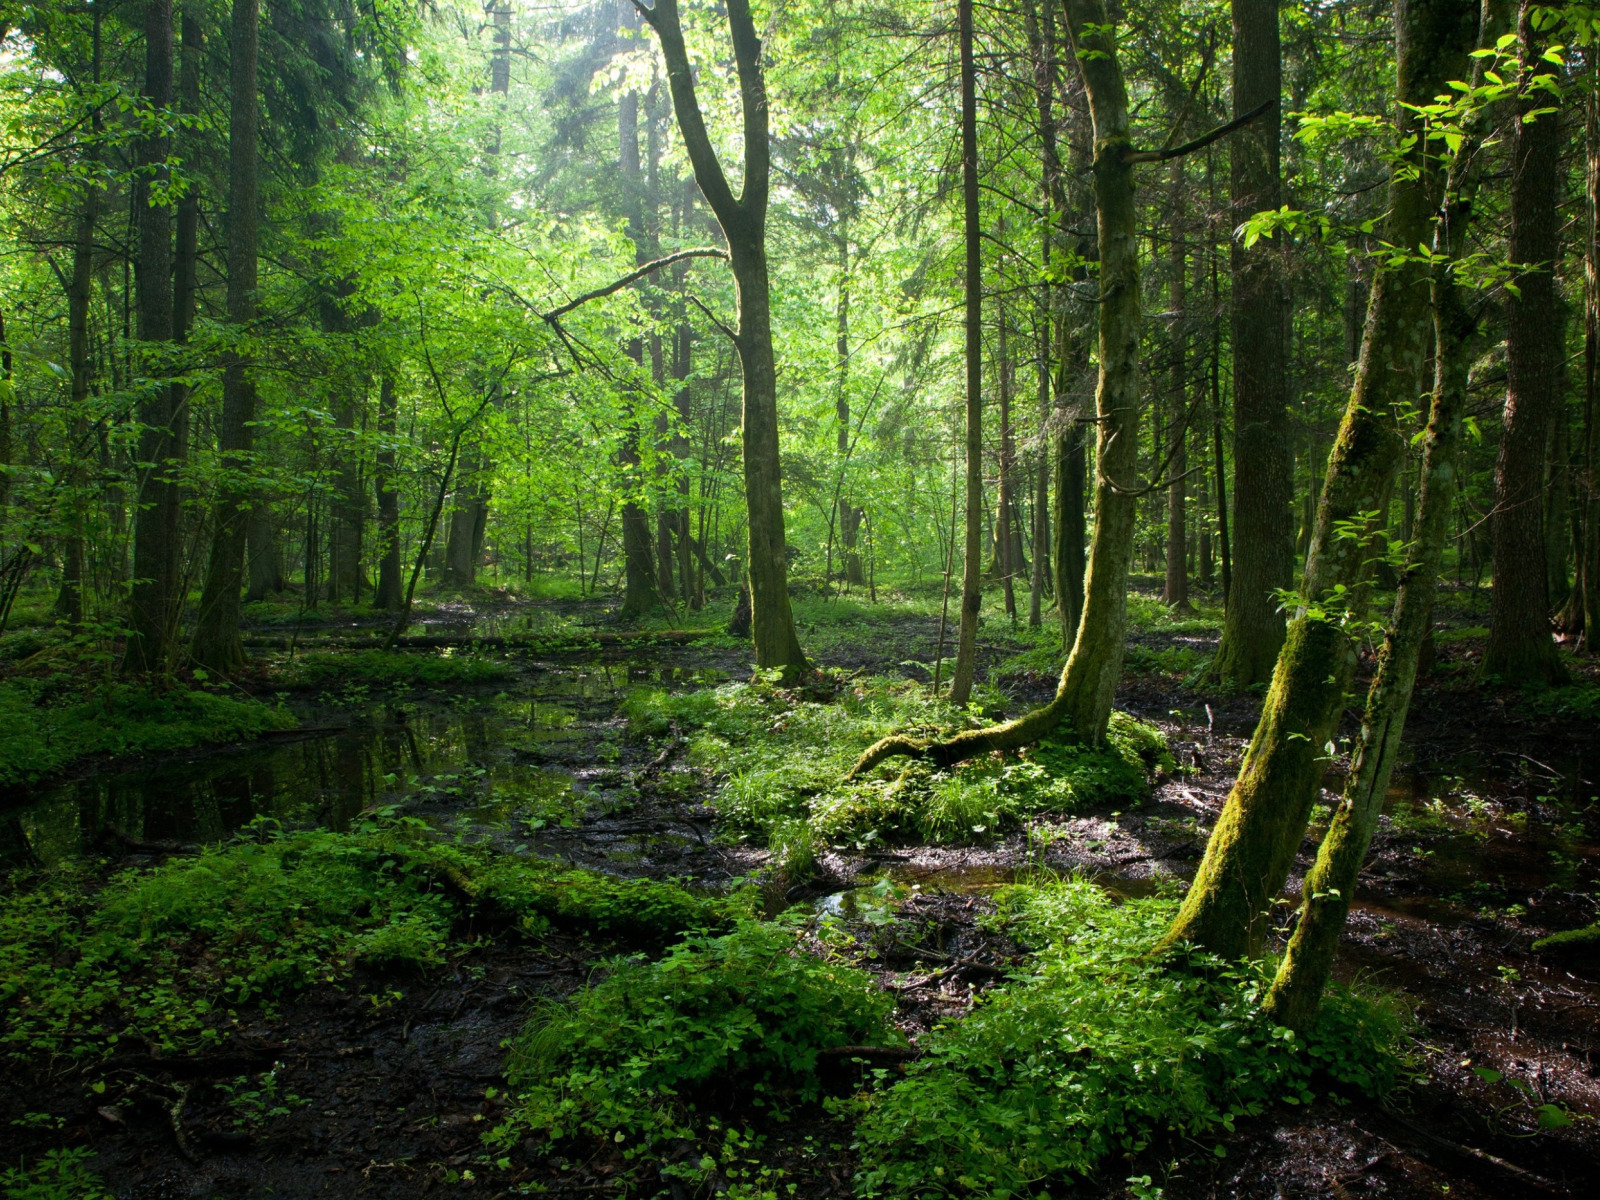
[(383, 1082)]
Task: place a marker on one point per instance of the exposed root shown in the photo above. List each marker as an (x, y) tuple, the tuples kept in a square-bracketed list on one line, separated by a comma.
[(969, 743)]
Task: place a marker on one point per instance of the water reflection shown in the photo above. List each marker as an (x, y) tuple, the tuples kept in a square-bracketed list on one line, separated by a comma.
[(530, 755)]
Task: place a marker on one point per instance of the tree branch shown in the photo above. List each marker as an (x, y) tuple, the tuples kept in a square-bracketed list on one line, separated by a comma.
[(638, 273), (1199, 143)]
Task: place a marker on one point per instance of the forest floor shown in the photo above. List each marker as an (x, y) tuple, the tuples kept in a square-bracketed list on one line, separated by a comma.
[(383, 1084)]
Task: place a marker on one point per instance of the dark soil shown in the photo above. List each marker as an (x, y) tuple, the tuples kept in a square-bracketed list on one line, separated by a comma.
[(395, 1080)]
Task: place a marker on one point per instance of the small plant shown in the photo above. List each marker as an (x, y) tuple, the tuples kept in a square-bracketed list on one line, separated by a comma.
[(742, 1019), (256, 1101), (1107, 1047), (57, 1175)]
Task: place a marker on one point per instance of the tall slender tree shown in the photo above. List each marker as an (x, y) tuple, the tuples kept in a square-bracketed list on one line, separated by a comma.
[(217, 645), (1263, 460), (743, 219)]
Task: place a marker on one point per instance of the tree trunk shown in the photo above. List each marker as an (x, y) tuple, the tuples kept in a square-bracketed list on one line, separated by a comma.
[(1176, 589), (1006, 535), (388, 496), (1253, 844), (1041, 30), (1330, 885), (972, 545), (1587, 585), (1263, 463), (264, 551), (1521, 649), (216, 641), (640, 593), (743, 220), (1089, 678)]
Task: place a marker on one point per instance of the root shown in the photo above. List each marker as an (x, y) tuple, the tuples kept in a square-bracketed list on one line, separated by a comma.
[(969, 743)]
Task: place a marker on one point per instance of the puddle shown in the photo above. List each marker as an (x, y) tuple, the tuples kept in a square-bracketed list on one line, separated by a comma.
[(545, 761)]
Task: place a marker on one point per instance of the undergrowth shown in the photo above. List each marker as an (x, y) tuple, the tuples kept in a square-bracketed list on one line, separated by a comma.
[(1106, 1047), (48, 723), (782, 760), (736, 1022), (168, 955), (386, 668)]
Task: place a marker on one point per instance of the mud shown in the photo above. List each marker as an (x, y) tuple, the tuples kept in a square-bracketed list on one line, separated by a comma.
[(1491, 839)]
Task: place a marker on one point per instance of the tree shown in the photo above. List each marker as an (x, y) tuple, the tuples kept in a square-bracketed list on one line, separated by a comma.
[(1253, 843), (1263, 526), (216, 644), (972, 279), (1521, 649), (743, 221)]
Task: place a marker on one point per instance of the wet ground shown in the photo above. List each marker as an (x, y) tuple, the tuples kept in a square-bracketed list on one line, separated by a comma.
[(1491, 840)]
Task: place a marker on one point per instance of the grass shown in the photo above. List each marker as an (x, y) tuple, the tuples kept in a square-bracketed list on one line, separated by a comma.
[(50, 723), (780, 761), (169, 956), (1101, 1051)]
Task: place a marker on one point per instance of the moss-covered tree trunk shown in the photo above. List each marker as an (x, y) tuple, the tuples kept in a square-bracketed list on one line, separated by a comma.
[(743, 219), (1252, 847), (1521, 648), (1089, 678), (1330, 885), (388, 595), (1587, 584)]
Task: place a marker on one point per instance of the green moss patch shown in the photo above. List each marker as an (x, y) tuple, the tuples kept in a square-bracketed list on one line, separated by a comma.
[(45, 729)]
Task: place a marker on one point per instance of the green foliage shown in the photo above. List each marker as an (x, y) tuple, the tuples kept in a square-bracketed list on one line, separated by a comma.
[(46, 725), (739, 1018), (58, 1175), (393, 669), (169, 954), (1106, 1047), (783, 758)]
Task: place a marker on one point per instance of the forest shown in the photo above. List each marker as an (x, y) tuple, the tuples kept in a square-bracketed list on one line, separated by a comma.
[(715, 598)]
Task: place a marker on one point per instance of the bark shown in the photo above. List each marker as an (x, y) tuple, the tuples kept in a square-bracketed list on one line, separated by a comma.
[(743, 220), (1521, 649), (216, 640), (1263, 463), (640, 588), (1587, 583), (1008, 552), (264, 551), (972, 543), (388, 497), (1041, 30), (1176, 589), (1331, 883), (1253, 844), (1088, 680)]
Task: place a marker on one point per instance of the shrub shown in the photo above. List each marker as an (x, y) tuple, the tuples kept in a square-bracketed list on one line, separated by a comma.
[(1106, 1047), (743, 1017)]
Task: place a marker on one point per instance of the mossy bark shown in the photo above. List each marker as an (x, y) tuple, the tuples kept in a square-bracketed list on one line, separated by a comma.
[(1252, 847), (1331, 883)]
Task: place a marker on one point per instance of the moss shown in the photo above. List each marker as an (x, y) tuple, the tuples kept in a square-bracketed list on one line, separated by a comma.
[(392, 668), (44, 730), (1572, 943)]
